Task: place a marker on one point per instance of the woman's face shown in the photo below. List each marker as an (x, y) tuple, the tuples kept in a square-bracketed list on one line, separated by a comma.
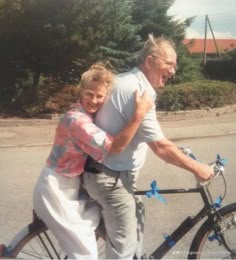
[(93, 96)]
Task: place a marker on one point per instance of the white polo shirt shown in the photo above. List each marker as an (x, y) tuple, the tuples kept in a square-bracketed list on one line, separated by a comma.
[(116, 113)]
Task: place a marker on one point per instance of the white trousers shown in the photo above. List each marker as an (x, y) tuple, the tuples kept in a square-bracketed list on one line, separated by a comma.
[(72, 221)]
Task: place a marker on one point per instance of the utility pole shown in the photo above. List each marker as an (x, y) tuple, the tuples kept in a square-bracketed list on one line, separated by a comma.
[(207, 21), (205, 42)]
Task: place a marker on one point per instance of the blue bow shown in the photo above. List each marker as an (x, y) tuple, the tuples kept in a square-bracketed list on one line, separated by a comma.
[(223, 162), (214, 237), (154, 193), (217, 203)]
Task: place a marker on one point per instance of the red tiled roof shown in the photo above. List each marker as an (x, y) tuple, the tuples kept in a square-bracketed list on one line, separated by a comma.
[(197, 45)]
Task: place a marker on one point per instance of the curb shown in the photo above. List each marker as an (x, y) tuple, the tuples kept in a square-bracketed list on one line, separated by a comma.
[(7, 146), (193, 114), (14, 122)]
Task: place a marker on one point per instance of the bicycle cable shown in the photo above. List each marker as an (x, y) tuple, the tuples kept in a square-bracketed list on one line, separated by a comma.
[(224, 193)]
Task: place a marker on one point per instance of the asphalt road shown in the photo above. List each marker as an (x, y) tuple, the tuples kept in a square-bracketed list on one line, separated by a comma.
[(24, 148)]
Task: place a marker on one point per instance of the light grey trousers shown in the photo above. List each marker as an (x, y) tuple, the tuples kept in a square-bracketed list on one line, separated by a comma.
[(122, 212)]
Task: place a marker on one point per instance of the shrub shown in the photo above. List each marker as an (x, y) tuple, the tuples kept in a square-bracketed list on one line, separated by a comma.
[(196, 95), (57, 98), (52, 97), (221, 69), (62, 100)]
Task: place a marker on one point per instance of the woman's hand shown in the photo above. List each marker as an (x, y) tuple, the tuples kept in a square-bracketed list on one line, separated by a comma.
[(143, 103)]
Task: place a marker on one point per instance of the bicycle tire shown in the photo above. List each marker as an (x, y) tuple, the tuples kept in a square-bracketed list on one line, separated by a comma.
[(203, 248), (36, 241)]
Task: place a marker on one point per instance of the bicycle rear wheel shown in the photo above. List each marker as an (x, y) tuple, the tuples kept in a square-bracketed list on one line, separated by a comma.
[(208, 244), (36, 241)]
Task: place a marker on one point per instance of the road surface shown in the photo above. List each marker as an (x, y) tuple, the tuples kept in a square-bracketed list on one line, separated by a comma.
[(24, 148)]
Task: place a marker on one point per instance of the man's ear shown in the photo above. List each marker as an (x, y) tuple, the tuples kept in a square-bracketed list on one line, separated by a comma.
[(148, 62)]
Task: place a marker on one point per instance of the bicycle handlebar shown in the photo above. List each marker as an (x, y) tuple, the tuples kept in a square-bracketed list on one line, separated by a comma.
[(217, 165)]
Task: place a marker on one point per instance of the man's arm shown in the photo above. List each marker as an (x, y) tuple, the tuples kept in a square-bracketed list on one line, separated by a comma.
[(167, 151)]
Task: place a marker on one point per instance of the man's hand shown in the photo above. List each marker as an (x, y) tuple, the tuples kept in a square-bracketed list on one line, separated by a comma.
[(204, 172)]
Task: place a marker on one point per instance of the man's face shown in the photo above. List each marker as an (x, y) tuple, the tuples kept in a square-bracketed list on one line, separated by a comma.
[(163, 66)]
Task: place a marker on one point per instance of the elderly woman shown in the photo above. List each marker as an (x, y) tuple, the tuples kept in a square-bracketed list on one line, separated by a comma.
[(71, 219)]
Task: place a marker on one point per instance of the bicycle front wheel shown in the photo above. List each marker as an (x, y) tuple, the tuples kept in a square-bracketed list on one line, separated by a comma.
[(216, 240)]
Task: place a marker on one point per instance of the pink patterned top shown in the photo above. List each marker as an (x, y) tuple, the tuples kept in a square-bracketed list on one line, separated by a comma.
[(76, 137)]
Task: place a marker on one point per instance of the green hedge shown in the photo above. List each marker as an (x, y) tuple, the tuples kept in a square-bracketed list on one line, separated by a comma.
[(54, 98), (221, 69), (196, 95)]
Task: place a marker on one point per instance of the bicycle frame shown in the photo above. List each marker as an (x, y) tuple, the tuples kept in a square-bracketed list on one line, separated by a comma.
[(209, 210), (187, 224)]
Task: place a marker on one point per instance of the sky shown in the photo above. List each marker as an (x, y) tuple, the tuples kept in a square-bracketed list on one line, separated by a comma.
[(221, 14)]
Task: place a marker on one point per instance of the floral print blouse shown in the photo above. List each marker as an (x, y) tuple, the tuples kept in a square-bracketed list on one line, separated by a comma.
[(76, 138)]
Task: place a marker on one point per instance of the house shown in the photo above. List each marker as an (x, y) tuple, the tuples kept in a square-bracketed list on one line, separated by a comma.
[(197, 45)]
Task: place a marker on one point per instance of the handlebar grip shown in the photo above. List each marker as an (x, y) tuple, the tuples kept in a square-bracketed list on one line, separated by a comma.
[(218, 169), (218, 165)]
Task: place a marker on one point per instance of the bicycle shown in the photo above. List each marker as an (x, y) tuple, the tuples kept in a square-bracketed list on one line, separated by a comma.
[(216, 237)]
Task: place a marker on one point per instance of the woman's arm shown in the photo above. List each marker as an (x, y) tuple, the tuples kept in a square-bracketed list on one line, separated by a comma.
[(123, 138), (97, 143)]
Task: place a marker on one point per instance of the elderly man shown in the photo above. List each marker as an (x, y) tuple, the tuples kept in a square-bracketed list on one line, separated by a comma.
[(112, 183)]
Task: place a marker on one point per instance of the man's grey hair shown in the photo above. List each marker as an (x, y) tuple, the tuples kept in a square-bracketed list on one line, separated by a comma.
[(152, 45)]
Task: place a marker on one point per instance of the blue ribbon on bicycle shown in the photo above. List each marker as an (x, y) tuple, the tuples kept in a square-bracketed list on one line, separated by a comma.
[(154, 193), (220, 160), (170, 242), (214, 237), (218, 201)]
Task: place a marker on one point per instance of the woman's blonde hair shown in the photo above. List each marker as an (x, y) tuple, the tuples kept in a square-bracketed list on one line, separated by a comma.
[(99, 73)]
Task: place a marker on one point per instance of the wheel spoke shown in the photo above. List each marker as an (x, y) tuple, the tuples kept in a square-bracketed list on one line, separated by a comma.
[(39, 245)]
